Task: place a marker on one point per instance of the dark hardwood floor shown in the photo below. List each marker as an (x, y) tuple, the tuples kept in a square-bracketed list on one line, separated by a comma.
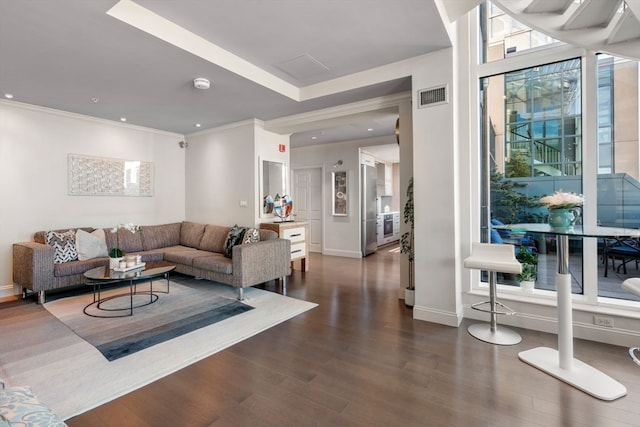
[(359, 359)]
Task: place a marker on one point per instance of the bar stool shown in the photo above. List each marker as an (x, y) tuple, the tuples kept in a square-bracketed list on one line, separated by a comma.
[(633, 285), (494, 259)]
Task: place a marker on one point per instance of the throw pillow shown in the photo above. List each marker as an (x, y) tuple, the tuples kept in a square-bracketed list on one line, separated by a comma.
[(252, 235), (234, 237), (65, 245), (91, 245)]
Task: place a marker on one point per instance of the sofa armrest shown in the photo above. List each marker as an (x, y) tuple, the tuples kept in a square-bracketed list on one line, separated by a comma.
[(33, 265), (260, 262)]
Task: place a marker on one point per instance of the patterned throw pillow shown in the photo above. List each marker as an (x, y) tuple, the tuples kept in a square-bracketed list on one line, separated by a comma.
[(65, 245), (252, 235), (234, 237), (20, 407)]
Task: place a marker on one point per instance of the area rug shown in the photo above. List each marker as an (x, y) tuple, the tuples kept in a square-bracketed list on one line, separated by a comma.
[(183, 309), (72, 376)]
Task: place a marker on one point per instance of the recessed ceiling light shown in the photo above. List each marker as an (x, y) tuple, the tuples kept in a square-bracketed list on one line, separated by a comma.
[(198, 125), (8, 95), (314, 137), (95, 100), (123, 119), (370, 130)]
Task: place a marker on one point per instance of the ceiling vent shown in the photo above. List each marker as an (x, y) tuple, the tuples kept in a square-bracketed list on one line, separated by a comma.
[(433, 96)]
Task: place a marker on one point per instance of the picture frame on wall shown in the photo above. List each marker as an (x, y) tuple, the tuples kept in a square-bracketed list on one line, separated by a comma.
[(104, 176), (340, 201)]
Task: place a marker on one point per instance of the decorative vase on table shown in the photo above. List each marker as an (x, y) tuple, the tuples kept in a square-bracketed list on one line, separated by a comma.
[(563, 208), (562, 218), (115, 262)]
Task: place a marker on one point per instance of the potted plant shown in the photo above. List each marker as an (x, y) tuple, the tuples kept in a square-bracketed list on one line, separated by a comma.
[(529, 261), (406, 244), (116, 253)]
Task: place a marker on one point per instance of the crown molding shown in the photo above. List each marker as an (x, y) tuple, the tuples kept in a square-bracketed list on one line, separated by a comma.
[(67, 114)]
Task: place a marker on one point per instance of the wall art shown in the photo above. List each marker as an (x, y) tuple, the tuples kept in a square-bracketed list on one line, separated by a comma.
[(102, 176), (340, 202)]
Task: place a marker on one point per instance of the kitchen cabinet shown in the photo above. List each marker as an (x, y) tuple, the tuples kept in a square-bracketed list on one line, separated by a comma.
[(297, 232), (380, 229), (394, 233), (385, 179), (396, 226)]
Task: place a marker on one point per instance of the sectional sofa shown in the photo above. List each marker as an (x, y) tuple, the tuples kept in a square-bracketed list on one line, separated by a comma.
[(195, 249)]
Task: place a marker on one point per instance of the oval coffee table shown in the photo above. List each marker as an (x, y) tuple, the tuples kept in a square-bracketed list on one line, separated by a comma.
[(99, 276)]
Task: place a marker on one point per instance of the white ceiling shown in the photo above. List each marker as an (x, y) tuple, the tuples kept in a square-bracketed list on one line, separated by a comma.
[(265, 59)]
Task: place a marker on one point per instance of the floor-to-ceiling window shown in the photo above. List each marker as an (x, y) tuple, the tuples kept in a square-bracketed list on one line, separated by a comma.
[(618, 193), (532, 137), (534, 117)]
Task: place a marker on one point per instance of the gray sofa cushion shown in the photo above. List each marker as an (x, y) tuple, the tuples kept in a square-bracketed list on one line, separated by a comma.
[(185, 257), (214, 262), (191, 234), (214, 238), (161, 236), (78, 267), (267, 234), (127, 241)]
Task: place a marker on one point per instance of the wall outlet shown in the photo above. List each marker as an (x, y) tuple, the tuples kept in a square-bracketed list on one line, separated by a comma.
[(607, 322), (243, 203)]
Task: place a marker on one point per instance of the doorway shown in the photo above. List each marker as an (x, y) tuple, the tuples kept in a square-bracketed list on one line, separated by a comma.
[(307, 196)]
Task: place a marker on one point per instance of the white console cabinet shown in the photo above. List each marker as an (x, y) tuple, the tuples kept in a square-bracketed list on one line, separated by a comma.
[(297, 232)]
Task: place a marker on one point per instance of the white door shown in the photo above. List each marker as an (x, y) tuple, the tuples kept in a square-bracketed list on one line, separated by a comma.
[(307, 202)]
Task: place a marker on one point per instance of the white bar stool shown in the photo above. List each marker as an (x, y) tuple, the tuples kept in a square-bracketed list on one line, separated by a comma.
[(493, 258), (633, 285)]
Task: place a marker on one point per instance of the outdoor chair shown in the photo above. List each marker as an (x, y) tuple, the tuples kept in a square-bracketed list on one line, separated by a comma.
[(633, 285), (494, 259), (627, 250)]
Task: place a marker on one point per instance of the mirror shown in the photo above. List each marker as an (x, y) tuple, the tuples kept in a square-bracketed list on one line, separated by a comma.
[(274, 178)]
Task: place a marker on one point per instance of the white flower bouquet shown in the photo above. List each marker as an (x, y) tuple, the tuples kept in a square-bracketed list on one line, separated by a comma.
[(562, 200)]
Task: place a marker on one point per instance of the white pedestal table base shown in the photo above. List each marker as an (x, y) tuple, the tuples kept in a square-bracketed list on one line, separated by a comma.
[(582, 376)]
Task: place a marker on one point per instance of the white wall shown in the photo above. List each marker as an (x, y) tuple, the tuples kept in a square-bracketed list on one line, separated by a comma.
[(341, 234), (34, 145), (437, 206), (406, 173), (222, 171), (267, 148)]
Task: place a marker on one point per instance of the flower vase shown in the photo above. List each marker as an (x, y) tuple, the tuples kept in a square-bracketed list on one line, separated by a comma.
[(562, 218), (115, 262)]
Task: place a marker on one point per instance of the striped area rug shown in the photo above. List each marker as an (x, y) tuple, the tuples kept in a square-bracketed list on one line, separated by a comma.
[(183, 309), (51, 349)]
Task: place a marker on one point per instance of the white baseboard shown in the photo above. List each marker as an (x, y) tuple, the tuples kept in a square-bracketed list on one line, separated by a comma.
[(342, 253), (581, 330), (447, 318), (7, 291)]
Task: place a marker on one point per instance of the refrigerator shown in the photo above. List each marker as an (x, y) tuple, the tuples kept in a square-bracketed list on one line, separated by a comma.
[(368, 214)]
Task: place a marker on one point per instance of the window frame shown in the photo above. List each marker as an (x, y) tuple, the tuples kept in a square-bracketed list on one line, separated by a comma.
[(589, 300)]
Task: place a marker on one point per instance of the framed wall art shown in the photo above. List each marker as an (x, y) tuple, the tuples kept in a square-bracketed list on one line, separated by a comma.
[(340, 202), (102, 176)]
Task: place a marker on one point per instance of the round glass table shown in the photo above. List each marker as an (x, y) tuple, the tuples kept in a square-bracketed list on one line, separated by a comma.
[(99, 276), (561, 363)]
